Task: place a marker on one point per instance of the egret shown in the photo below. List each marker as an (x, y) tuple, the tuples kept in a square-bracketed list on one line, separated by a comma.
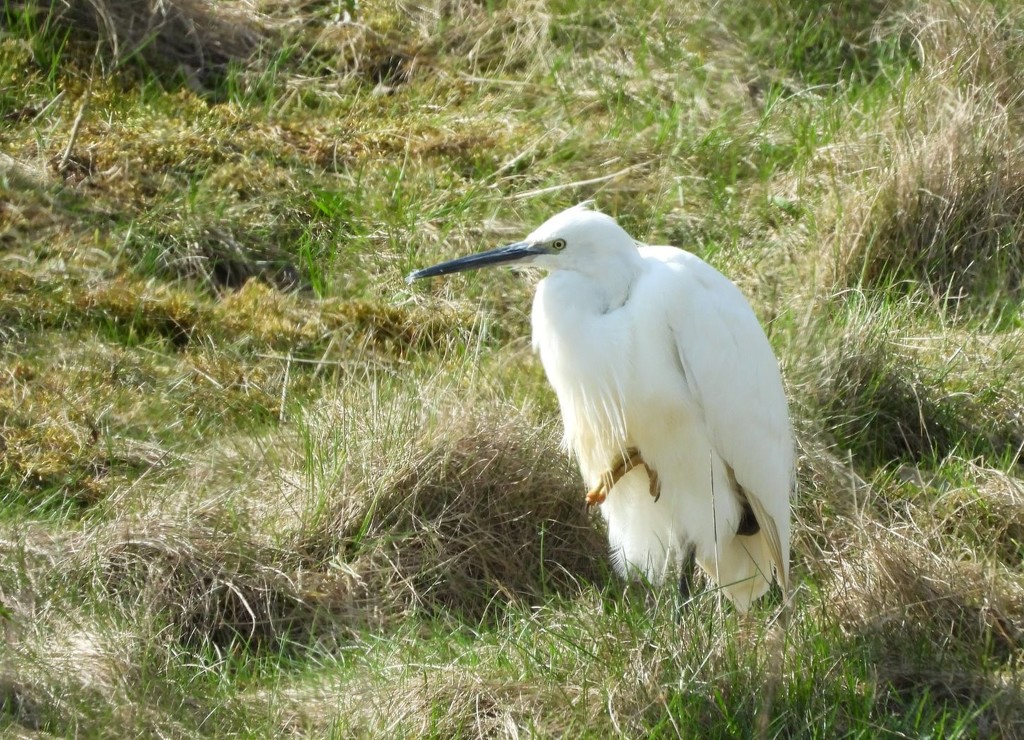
[(671, 399)]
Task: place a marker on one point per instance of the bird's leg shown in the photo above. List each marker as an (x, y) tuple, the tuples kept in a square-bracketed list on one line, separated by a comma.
[(686, 575), (748, 525), (635, 461), (609, 478)]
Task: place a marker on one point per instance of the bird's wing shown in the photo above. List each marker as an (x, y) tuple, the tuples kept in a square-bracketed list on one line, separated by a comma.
[(733, 374)]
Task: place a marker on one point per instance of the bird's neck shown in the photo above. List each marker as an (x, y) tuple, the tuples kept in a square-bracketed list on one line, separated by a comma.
[(584, 341), (607, 284)]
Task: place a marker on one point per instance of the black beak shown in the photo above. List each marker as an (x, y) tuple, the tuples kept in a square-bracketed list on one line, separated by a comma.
[(499, 256)]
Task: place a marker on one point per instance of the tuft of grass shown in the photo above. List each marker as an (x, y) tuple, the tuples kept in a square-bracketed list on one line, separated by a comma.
[(894, 391), (798, 45), (943, 212), (192, 40), (466, 522)]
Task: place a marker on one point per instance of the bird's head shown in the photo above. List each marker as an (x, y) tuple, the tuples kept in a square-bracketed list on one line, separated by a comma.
[(578, 238)]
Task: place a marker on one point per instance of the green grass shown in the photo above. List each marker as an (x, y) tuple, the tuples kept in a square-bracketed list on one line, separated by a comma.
[(253, 484)]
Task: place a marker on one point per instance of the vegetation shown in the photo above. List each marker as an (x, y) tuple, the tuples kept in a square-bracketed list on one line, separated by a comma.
[(251, 483)]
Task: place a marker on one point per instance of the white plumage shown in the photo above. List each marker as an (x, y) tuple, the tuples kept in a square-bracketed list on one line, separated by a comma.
[(652, 349)]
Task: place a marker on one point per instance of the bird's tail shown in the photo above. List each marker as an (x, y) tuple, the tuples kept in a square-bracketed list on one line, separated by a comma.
[(779, 556), (743, 568)]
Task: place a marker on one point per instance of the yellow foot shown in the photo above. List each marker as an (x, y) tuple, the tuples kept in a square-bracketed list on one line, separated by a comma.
[(609, 478), (596, 495)]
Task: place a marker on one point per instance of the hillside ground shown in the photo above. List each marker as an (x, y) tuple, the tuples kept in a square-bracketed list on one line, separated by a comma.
[(253, 484)]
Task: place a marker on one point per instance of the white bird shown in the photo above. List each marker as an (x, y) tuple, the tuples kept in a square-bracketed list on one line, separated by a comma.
[(671, 398)]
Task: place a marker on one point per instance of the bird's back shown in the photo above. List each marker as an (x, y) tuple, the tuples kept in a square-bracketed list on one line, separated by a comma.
[(734, 377)]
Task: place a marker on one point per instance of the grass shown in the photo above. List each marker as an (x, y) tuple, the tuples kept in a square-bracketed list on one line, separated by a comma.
[(253, 484)]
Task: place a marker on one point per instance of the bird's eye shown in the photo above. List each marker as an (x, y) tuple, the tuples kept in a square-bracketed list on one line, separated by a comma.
[(558, 245)]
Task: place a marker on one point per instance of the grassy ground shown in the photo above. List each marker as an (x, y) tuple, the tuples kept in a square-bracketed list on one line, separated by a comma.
[(253, 484)]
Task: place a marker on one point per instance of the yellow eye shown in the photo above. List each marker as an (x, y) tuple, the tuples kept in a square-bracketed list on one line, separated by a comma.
[(558, 245)]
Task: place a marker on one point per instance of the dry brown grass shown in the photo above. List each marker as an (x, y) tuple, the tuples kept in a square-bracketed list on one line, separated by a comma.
[(195, 38), (460, 522), (938, 199), (905, 582), (895, 589), (479, 513)]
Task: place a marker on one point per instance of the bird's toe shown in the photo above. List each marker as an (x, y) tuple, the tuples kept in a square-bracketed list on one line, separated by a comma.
[(655, 483)]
